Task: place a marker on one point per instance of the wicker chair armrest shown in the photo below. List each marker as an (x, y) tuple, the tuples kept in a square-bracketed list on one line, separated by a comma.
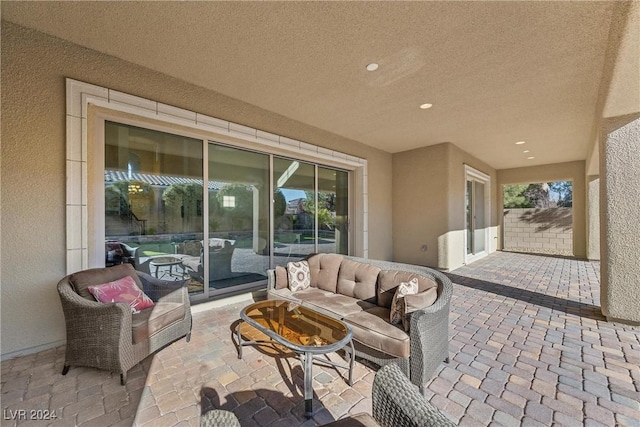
[(397, 402), (102, 329)]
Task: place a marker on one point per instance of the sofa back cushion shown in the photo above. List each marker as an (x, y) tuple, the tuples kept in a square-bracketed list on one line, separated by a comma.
[(358, 280), (282, 278), (389, 280), (324, 271), (96, 276)]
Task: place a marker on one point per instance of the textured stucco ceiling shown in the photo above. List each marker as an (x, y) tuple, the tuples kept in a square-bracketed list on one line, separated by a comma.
[(496, 72)]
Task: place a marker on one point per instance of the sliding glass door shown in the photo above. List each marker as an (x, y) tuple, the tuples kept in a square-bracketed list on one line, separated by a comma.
[(294, 225), (311, 210), (333, 211), (476, 213), (239, 197), (251, 212), (153, 203)]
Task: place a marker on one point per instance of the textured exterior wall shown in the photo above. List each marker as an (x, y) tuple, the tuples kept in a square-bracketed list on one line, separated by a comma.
[(620, 221), (428, 205), (34, 67), (548, 230), (571, 171), (420, 204)]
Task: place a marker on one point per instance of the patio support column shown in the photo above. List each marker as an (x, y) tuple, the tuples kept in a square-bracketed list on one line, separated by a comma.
[(620, 219)]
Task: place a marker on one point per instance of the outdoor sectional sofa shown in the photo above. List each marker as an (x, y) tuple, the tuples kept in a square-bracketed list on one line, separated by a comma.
[(360, 291)]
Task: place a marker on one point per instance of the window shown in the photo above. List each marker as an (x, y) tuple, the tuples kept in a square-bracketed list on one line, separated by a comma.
[(90, 204)]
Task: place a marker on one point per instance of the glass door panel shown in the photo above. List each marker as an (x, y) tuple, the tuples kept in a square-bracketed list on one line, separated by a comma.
[(478, 224), (239, 194), (293, 210), (469, 218), (333, 211), (153, 202)]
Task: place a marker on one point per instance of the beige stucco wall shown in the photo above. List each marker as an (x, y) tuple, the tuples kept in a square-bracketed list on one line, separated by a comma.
[(34, 67), (570, 171), (420, 203), (429, 205), (620, 218), (619, 169)]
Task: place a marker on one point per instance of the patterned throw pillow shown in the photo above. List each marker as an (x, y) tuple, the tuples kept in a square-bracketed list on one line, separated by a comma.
[(397, 304), (299, 275), (122, 290)]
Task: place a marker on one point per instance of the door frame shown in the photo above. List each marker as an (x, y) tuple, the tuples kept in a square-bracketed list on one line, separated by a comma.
[(474, 175)]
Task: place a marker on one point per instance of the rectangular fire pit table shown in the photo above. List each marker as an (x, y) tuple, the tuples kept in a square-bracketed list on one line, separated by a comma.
[(301, 330)]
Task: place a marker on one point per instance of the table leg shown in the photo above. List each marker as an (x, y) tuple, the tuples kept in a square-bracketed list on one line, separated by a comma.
[(239, 340), (351, 362), (308, 390)]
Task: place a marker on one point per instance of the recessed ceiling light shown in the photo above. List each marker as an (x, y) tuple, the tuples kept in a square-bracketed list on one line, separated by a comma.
[(372, 67), (530, 158), (521, 142), (525, 151), (426, 106)]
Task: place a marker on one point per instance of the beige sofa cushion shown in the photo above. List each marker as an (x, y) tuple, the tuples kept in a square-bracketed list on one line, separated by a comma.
[(330, 304), (371, 327), (324, 271), (282, 279), (283, 293), (358, 280), (97, 276), (389, 280), (154, 319), (417, 302), (324, 302)]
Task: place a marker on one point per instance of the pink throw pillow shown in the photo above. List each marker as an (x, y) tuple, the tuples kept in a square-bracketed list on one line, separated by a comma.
[(122, 290)]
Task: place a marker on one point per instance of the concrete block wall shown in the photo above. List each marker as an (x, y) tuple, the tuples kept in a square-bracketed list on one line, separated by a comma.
[(530, 229)]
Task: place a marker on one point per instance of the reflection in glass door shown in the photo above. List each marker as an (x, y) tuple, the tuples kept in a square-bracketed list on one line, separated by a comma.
[(239, 194), (294, 222), (153, 203), (333, 211)]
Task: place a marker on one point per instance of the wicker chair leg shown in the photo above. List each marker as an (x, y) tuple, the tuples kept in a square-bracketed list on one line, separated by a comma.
[(446, 360), (65, 369), (123, 378)]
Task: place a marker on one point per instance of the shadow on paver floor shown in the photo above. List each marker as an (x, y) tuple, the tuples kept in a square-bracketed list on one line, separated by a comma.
[(561, 304)]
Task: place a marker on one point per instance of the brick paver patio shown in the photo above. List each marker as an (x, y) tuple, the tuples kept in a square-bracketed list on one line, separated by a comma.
[(528, 347)]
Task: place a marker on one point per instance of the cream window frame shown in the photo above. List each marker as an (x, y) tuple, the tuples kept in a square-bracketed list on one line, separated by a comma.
[(87, 103)]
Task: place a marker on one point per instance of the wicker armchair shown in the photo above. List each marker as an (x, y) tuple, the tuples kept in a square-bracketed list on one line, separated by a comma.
[(109, 336), (396, 402)]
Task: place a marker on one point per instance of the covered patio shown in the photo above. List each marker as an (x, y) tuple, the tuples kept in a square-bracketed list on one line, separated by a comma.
[(529, 346)]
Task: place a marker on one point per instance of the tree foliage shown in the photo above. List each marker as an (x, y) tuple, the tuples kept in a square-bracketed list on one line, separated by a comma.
[(326, 207), (538, 195), (514, 196), (564, 190)]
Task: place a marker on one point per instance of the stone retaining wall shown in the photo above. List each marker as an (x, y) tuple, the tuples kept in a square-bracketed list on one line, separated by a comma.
[(534, 229)]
